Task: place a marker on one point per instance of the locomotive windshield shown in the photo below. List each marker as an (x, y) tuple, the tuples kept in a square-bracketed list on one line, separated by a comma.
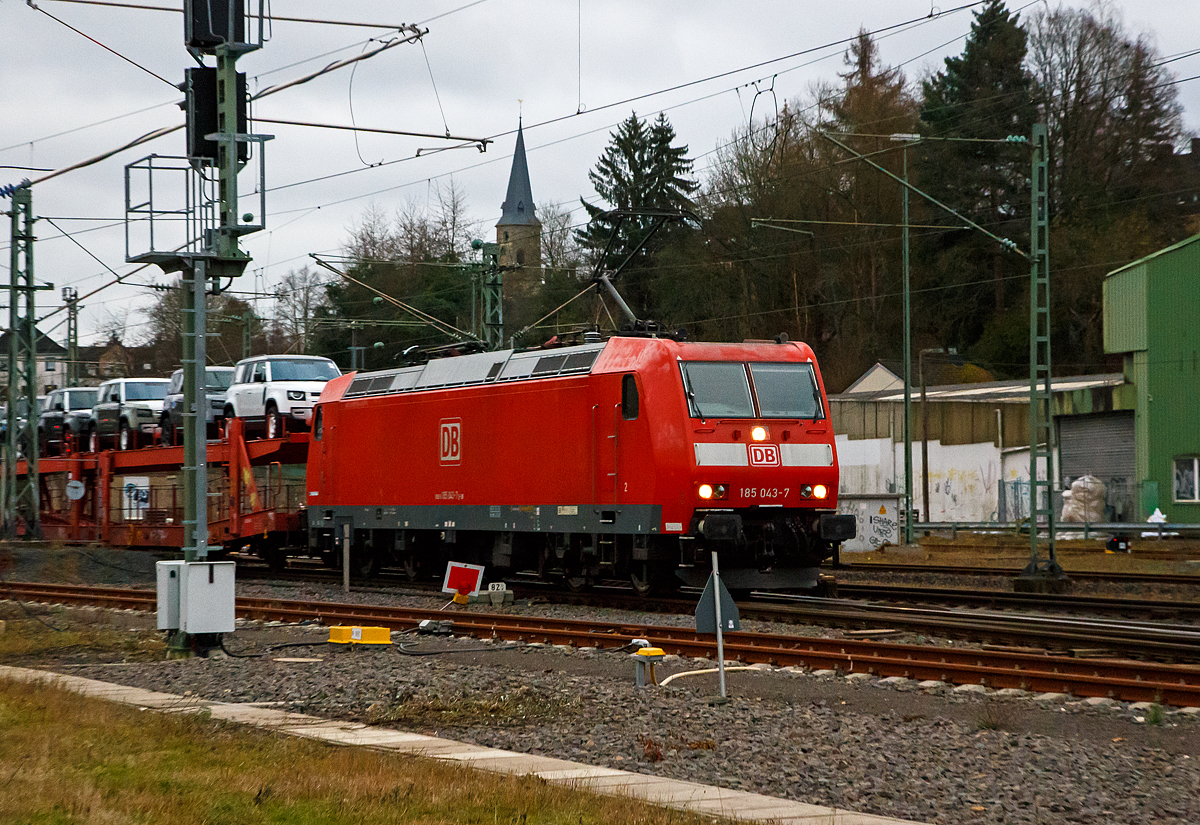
[(722, 390), (786, 391), (717, 390)]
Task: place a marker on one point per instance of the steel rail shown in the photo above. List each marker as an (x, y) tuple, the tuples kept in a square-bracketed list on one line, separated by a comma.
[(1135, 639), (998, 598), (1115, 678), (871, 568), (1128, 638)]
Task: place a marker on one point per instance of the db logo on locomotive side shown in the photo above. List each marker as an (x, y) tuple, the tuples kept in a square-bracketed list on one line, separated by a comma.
[(764, 455), (450, 440)]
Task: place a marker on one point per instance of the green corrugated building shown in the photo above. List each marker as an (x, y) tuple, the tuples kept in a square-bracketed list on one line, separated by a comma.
[(1152, 317)]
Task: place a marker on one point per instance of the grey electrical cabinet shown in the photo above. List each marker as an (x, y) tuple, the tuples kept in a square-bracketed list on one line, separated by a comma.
[(206, 597), (196, 597), (169, 573)]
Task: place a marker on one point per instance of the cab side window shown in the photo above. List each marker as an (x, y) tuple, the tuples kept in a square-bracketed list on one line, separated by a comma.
[(629, 398)]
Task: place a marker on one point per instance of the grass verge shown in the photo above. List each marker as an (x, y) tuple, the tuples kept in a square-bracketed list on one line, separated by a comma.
[(38, 631), (69, 759)]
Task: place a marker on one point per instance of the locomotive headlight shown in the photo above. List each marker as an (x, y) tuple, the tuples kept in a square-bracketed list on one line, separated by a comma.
[(705, 491), (759, 433), (819, 491)]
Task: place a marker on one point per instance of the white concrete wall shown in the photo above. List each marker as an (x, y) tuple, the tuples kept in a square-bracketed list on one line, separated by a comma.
[(964, 479)]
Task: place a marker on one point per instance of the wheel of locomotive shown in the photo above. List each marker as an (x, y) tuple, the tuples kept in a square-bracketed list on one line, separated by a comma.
[(577, 583), (412, 567), (643, 578), (274, 422), (651, 578), (364, 563), (125, 438)]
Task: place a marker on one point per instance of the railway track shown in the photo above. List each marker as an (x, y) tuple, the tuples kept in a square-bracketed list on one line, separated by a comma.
[(1023, 601), (1011, 572), (1128, 638), (1121, 679)]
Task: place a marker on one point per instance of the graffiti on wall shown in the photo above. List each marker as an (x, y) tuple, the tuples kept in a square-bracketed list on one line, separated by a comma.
[(878, 522)]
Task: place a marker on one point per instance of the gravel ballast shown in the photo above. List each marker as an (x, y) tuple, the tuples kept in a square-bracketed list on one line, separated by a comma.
[(927, 753)]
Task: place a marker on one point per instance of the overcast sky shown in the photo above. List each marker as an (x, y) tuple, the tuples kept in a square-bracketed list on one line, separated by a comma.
[(64, 99)]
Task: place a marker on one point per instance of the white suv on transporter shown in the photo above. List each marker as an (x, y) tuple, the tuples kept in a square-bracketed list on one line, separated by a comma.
[(278, 389)]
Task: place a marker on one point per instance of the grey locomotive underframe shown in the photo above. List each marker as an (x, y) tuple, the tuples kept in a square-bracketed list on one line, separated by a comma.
[(582, 539)]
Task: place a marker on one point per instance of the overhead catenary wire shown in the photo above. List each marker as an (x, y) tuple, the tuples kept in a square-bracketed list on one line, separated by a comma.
[(436, 323), (128, 60), (166, 130), (836, 43), (273, 17), (472, 4)]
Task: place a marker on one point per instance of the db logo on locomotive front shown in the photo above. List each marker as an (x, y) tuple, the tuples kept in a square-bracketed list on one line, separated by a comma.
[(764, 455), (450, 440)]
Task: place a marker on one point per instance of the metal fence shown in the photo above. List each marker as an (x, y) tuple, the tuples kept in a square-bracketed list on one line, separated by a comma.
[(1121, 497)]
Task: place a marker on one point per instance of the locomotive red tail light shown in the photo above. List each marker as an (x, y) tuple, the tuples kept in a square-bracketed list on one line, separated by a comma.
[(806, 491)]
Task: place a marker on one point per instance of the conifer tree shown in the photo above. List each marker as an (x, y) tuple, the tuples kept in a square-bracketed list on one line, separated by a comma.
[(984, 94), (641, 168)]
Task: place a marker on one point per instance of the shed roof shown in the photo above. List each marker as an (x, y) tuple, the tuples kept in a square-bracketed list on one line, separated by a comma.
[(1013, 392), (1153, 255)]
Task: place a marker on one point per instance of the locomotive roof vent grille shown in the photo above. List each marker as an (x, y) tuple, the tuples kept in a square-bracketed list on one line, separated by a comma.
[(580, 361), (480, 368), (549, 365), (359, 386)]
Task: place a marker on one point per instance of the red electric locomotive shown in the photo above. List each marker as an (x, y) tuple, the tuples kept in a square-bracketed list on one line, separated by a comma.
[(630, 458)]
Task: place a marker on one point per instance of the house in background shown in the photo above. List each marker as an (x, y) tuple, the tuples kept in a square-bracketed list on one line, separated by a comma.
[(51, 363), (1152, 319), (977, 439), (1137, 431)]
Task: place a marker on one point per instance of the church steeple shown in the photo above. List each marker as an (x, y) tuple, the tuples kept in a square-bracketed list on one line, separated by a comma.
[(517, 209), (518, 230)]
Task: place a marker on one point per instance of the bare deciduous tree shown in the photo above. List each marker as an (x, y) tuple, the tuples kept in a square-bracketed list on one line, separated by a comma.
[(559, 248), (1110, 111), (298, 297)]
